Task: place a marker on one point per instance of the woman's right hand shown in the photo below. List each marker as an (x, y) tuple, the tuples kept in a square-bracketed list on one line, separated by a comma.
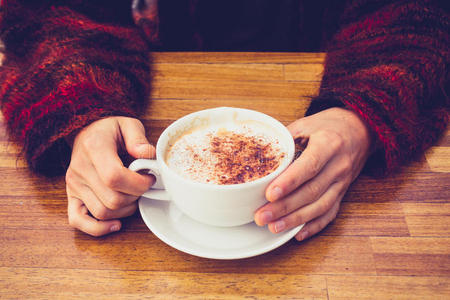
[(100, 189)]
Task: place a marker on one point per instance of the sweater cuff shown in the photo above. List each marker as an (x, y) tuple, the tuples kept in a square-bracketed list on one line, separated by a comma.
[(376, 164), (48, 151), (44, 128), (319, 104)]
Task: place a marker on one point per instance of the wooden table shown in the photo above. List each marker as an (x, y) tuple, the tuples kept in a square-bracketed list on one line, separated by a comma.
[(391, 238)]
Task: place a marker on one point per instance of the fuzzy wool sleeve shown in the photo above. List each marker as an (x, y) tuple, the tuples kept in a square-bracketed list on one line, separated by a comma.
[(68, 63), (389, 63)]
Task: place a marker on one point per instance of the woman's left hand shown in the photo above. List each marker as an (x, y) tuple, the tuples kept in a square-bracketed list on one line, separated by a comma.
[(310, 190)]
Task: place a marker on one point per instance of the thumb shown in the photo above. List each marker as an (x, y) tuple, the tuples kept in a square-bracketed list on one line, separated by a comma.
[(136, 143)]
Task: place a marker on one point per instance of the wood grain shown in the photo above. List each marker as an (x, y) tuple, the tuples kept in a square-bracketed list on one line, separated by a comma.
[(158, 285), (233, 90), (387, 287), (214, 71), (139, 250), (238, 57), (427, 219), (390, 240), (163, 109), (303, 72), (411, 256), (439, 159)]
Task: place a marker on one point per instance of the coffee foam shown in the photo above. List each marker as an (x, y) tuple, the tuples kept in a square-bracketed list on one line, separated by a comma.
[(226, 153)]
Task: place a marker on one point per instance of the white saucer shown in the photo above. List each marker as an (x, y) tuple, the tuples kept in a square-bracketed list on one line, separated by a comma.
[(174, 228)]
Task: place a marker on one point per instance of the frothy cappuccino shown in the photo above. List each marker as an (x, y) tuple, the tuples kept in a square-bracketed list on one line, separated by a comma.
[(215, 165), (226, 153)]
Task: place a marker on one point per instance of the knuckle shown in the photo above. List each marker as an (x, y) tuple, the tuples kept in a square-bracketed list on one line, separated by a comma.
[(77, 162), (324, 135), (328, 135), (293, 182), (319, 225), (299, 219), (313, 189), (314, 163), (70, 175), (336, 142), (100, 213), (324, 206), (284, 209), (333, 139), (112, 178), (90, 142), (346, 165), (71, 213), (71, 220), (114, 202)]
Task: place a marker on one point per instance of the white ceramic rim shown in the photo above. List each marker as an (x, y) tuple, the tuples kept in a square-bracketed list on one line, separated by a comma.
[(279, 240), (268, 178)]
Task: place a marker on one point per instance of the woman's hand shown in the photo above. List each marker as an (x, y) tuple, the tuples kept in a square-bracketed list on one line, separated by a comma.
[(311, 188), (100, 189)]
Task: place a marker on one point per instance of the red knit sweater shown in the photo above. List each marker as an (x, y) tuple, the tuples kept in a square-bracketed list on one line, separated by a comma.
[(68, 63)]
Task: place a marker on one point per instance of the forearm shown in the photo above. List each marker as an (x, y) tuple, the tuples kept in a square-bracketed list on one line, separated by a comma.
[(65, 66), (389, 66)]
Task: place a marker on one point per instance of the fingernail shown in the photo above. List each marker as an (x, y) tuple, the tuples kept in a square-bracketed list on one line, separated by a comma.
[(114, 228), (279, 226), (304, 235), (275, 193), (266, 217)]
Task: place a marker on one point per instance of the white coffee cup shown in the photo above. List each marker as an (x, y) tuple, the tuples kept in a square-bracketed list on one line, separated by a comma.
[(213, 204)]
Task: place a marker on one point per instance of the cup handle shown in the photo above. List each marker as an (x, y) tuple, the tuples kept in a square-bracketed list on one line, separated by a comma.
[(150, 166)]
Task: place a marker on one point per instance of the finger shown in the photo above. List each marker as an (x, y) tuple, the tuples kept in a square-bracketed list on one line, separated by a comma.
[(298, 129), (100, 211), (304, 127), (113, 201), (136, 143), (309, 212), (304, 195), (79, 218), (316, 155), (318, 224), (100, 196), (114, 174)]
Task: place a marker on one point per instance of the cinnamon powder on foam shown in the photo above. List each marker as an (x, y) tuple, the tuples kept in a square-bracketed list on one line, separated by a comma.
[(231, 155)]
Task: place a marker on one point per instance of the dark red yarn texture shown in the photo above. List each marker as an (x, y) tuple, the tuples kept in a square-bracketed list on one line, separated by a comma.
[(68, 63)]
